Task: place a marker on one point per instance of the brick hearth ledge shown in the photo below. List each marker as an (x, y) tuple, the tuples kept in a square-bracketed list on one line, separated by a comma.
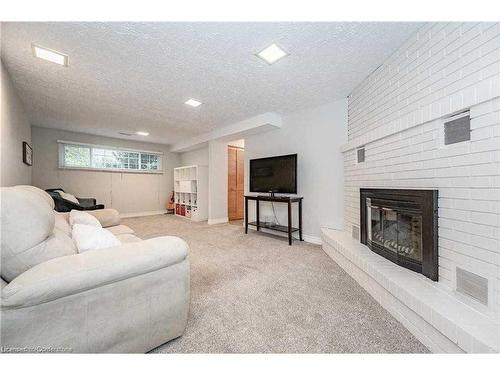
[(435, 315)]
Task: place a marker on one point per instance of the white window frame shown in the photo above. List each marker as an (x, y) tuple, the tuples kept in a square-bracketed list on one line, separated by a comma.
[(62, 165)]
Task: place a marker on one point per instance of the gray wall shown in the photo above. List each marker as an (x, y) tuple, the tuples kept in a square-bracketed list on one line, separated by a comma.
[(15, 128), (128, 192), (315, 135)]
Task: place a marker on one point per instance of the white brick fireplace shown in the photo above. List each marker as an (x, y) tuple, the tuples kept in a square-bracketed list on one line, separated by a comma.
[(397, 115)]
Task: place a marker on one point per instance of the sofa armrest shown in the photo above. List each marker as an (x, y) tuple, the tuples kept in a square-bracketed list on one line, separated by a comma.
[(108, 217), (77, 273)]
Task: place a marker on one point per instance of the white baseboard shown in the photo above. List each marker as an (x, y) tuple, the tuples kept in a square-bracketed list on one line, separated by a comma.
[(143, 213), (220, 220), (312, 239), (306, 237)]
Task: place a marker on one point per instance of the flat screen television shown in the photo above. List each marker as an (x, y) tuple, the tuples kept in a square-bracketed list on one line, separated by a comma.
[(277, 174)]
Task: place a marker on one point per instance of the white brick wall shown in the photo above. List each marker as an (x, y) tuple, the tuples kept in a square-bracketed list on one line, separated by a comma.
[(397, 114)]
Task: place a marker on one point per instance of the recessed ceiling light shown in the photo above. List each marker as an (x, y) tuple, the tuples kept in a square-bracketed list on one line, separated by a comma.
[(144, 134), (192, 102), (50, 55), (272, 54)]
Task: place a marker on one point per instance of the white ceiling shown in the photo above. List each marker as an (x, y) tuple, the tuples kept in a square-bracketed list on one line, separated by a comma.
[(136, 76)]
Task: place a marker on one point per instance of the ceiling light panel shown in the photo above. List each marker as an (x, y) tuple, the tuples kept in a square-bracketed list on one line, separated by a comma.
[(50, 55), (272, 54), (193, 102)]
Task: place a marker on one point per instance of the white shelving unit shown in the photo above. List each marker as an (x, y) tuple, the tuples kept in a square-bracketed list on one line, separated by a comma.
[(191, 192)]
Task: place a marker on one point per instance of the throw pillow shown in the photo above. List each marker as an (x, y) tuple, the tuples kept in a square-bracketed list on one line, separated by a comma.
[(88, 237), (82, 217)]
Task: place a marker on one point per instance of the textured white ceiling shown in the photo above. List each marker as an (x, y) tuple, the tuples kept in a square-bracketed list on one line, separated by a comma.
[(136, 76)]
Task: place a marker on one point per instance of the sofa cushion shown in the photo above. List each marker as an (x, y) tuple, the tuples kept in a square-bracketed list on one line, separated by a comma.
[(82, 217), (41, 193), (58, 244), (65, 276), (26, 222), (61, 223), (89, 237), (120, 229)]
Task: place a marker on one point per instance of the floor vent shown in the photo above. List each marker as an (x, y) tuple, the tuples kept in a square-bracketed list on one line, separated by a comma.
[(472, 285), (355, 232)]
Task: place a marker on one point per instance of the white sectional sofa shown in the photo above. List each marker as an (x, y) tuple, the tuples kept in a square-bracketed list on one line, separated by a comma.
[(128, 298)]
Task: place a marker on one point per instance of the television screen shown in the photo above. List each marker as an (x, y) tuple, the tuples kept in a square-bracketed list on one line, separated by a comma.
[(277, 174)]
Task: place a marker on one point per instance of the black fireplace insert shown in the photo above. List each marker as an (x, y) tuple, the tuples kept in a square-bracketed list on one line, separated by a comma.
[(401, 225)]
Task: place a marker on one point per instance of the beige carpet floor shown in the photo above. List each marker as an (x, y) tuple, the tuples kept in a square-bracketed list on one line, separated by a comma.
[(255, 294)]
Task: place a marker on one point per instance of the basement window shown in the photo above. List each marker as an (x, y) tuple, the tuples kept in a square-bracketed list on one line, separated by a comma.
[(457, 128), (74, 155)]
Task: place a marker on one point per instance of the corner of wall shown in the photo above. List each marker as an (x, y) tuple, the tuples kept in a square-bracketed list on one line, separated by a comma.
[(15, 129)]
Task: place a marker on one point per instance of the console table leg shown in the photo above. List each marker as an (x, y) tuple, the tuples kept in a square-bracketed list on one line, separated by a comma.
[(289, 223), (300, 220), (246, 215), (257, 213)]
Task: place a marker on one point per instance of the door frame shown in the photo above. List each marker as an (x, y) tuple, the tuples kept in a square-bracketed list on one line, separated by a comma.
[(237, 149)]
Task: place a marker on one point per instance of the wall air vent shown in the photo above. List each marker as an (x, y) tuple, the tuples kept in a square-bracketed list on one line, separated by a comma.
[(457, 128), (355, 232), (361, 155), (473, 285)]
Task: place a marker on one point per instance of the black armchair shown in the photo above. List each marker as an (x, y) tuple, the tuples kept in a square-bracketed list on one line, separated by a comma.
[(64, 205)]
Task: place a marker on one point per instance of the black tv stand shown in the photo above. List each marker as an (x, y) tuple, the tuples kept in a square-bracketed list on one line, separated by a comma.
[(277, 199)]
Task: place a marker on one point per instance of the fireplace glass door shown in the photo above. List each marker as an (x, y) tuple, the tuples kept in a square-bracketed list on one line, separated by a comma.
[(395, 233), (410, 236)]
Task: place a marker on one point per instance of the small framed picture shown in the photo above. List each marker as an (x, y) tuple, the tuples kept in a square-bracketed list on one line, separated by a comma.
[(27, 154)]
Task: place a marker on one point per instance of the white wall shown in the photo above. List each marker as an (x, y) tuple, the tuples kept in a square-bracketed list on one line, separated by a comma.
[(195, 157), (215, 156), (217, 182), (129, 193), (398, 112), (15, 128), (315, 135)]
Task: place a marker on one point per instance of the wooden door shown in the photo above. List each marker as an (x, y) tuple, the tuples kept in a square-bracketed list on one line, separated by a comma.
[(235, 183)]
